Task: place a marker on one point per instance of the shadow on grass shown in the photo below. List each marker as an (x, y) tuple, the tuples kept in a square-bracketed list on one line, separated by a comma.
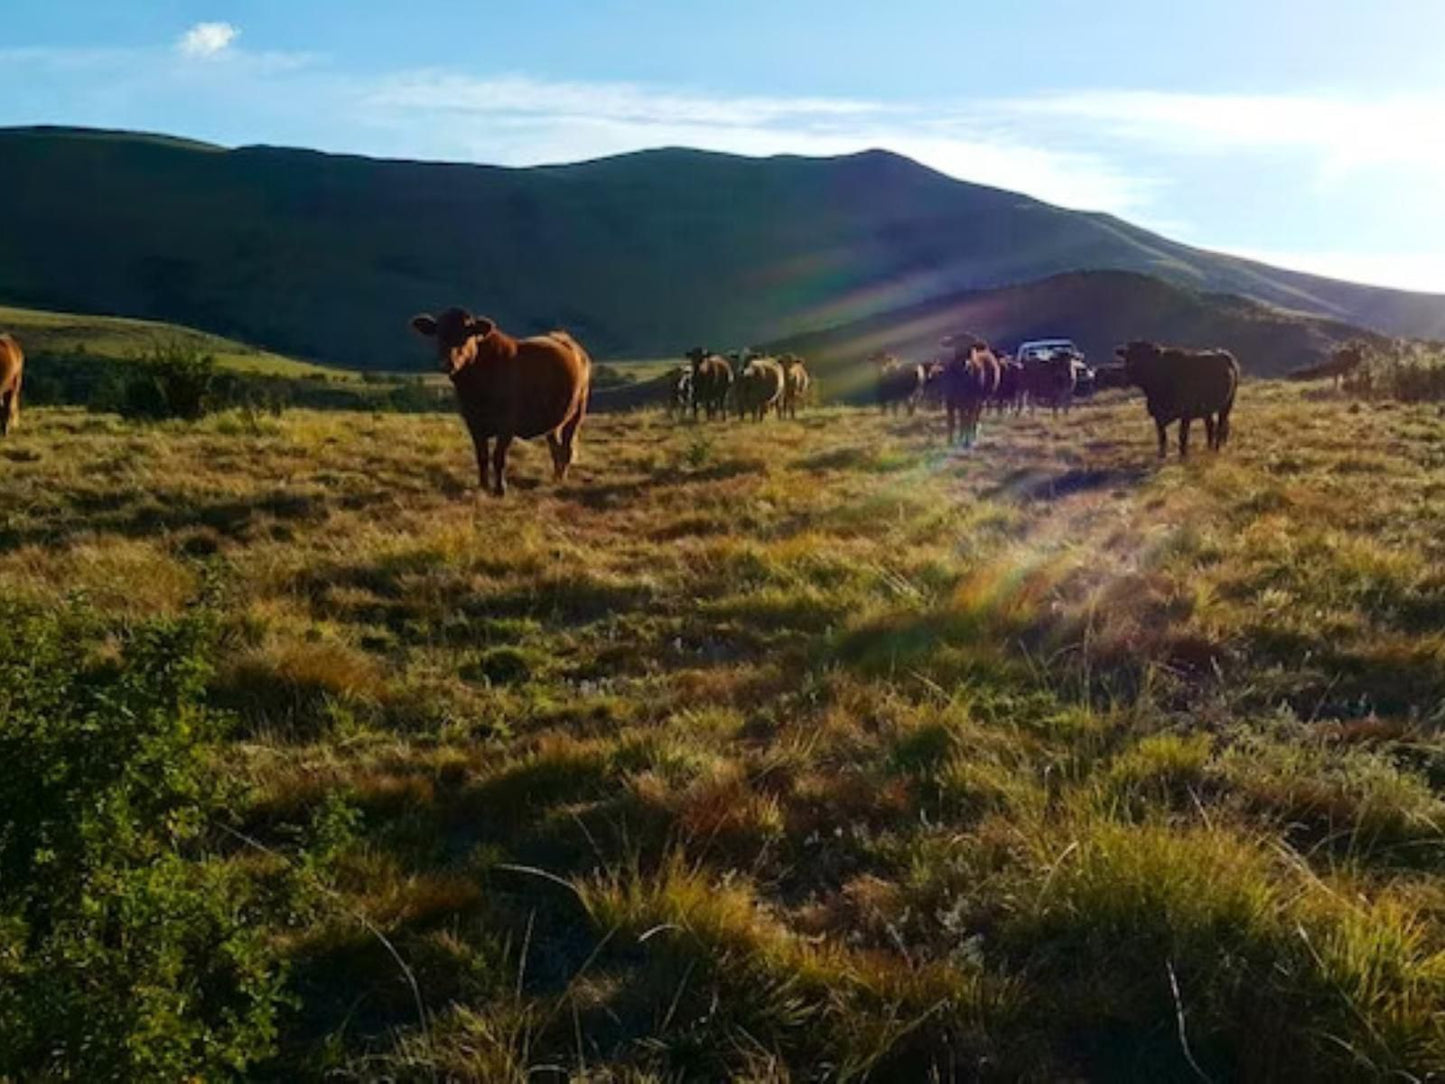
[(1033, 484)]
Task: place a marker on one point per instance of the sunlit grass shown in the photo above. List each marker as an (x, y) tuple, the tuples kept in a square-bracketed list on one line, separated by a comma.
[(809, 751)]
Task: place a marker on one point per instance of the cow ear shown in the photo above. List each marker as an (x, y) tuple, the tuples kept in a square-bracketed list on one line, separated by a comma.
[(424, 324), (481, 327)]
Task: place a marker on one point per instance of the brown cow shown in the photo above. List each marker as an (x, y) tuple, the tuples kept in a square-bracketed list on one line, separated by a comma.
[(511, 388), (795, 384), (712, 379), (1181, 385), (760, 387), (898, 383), (970, 380), (12, 368)]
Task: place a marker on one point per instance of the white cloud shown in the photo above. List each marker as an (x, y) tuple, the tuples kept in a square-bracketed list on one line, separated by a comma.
[(1345, 134), (207, 39)]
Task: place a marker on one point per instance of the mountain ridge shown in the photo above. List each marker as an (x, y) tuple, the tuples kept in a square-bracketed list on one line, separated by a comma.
[(645, 254)]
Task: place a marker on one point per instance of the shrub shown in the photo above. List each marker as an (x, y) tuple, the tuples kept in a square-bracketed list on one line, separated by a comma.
[(123, 955), (174, 379), (1411, 372)]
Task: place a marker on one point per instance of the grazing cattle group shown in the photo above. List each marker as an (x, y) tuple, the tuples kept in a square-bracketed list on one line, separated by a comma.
[(512, 389), (519, 389), (12, 368), (742, 384)]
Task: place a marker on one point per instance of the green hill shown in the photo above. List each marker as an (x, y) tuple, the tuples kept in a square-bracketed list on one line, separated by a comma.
[(112, 338), (325, 256)]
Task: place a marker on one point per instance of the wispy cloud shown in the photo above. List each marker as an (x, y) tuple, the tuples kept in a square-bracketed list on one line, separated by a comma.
[(521, 120), (447, 92), (207, 40)]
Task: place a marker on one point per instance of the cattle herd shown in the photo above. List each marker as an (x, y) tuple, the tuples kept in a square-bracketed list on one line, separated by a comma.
[(511, 389), (969, 378)]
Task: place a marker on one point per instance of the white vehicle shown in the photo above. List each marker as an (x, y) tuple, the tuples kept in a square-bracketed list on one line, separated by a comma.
[(1045, 350), (1040, 352)]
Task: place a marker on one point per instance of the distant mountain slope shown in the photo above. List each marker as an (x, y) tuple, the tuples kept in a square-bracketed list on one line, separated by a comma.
[(1097, 309), (646, 254)]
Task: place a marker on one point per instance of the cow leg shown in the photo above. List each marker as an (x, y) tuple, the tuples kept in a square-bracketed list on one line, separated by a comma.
[(499, 465), (1163, 438), (567, 445), (1210, 433), (479, 443), (1222, 430), (1184, 424), (7, 408)]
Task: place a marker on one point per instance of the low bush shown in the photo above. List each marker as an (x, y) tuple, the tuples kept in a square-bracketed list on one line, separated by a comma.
[(125, 953)]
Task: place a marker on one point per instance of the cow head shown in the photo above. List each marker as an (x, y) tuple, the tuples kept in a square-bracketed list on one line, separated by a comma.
[(456, 333), (1139, 357)]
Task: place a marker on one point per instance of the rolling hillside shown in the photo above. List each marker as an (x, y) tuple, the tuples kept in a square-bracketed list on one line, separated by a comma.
[(47, 335), (325, 256), (1098, 309)]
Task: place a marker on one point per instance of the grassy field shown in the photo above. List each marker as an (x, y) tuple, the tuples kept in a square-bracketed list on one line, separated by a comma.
[(114, 338), (802, 751)]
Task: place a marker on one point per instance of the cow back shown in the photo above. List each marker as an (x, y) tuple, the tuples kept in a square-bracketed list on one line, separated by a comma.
[(1191, 383), (524, 388)]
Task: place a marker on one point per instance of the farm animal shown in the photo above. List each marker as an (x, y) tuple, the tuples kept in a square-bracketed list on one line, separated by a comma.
[(970, 379), (898, 383), (679, 391), (511, 388), (1181, 385), (760, 387), (1010, 393), (795, 384), (12, 367), (1050, 381), (712, 380)]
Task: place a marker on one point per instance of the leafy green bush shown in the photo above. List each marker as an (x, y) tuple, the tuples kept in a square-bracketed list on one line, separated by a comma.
[(124, 954), (174, 379)]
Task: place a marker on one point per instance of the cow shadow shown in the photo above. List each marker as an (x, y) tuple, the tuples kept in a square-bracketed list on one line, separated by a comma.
[(1033, 484)]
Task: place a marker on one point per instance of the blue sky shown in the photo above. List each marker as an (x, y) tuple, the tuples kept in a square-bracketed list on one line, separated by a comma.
[(1306, 132)]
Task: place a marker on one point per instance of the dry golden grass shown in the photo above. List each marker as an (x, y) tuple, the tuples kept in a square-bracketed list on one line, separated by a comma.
[(813, 750)]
